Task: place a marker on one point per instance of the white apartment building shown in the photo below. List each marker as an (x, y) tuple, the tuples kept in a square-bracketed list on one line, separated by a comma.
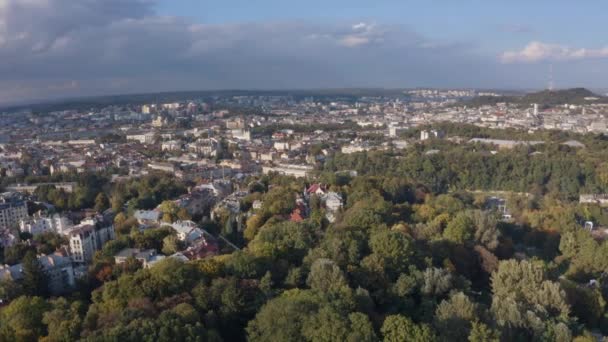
[(87, 238)]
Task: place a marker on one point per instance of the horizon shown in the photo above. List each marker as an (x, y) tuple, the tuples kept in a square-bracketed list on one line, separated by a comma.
[(7, 106), (111, 47)]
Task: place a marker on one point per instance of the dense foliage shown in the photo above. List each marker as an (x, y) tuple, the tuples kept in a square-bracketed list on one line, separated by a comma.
[(417, 253)]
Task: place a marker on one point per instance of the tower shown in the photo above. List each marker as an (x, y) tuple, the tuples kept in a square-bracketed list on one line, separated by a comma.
[(551, 85)]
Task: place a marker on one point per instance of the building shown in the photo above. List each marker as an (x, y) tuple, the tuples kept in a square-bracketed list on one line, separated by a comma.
[(147, 217), (505, 144), (333, 201), (29, 189), (281, 145), (87, 238), (395, 131), (289, 170), (206, 147), (425, 135), (172, 145), (58, 269), (144, 138), (238, 123), (166, 167), (39, 224), (147, 257), (187, 231), (241, 134), (601, 199), (13, 209)]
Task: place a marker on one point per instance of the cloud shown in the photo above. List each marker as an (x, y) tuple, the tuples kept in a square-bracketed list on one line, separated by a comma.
[(88, 47), (537, 52)]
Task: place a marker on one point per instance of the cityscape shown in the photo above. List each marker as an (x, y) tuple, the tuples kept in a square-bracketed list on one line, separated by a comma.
[(455, 197)]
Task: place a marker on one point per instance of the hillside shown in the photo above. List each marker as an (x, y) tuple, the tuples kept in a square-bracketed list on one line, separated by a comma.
[(545, 98)]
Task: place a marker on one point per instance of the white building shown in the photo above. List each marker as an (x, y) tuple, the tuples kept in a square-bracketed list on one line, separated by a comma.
[(39, 224), (425, 135), (289, 170), (171, 146), (206, 147), (87, 238), (281, 145), (187, 231), (144, 138), (241, 134)]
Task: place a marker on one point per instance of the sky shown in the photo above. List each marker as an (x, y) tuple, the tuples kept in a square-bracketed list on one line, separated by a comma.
[(69, 48)]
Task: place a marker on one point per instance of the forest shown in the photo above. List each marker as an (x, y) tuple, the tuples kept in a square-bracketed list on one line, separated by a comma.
[(418, 252)]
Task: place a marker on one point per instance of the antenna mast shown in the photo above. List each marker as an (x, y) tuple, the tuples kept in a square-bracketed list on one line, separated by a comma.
[(551, 85)]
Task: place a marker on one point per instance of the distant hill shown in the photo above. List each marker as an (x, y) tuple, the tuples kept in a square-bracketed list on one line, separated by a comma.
[(545, 98), (86, 103)]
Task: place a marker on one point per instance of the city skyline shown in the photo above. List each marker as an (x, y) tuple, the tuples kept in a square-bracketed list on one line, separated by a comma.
[(106, 47)]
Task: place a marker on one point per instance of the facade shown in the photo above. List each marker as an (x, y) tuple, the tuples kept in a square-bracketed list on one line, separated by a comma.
[(145, 138), (425, 135), (29, 189), (300, 171), (39, 224), (206, 147), (171, 146), (187, 231), (87, 238), (12, 210)]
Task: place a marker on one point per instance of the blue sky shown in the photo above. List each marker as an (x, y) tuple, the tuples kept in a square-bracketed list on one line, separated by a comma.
[(97, 47), (495, 24)]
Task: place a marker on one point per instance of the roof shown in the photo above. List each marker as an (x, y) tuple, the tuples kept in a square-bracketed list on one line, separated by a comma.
[(573, 143), (150, 215), (315, 187), (136, 253)]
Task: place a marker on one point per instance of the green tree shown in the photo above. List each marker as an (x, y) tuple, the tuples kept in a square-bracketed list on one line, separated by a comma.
[(523, 297), (171, 245), (63, 320), (34, 279), (454, 317), (397, 328), (326, 276), (482, 333), (101, 202), (460, 229), (21, 320), (395, 247)]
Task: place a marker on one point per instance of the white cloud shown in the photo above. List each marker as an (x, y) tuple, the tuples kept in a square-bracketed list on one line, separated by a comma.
[(537, 52), (84, 47)]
